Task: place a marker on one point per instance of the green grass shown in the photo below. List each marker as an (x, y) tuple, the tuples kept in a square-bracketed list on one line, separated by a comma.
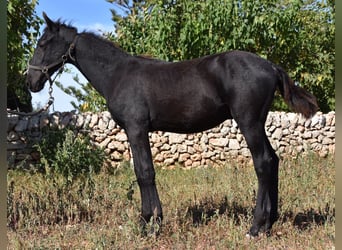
[(204, 208)]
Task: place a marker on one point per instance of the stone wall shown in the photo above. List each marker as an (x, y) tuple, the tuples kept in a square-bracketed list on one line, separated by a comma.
[(289, 133)]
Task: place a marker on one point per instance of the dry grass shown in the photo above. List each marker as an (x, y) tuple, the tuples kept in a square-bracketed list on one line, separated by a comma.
[(204, 208)]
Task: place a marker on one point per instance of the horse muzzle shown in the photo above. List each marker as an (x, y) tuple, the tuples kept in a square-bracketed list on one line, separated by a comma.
[(36, 82)]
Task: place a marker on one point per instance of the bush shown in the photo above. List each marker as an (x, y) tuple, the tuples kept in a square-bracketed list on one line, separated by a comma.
[(63, 189), (71, 155)]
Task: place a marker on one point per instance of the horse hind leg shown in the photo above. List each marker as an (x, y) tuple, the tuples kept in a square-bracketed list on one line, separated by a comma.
[(266, 167)]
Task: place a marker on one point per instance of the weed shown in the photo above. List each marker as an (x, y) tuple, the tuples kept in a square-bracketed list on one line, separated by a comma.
[(69, 154), (62, 187)]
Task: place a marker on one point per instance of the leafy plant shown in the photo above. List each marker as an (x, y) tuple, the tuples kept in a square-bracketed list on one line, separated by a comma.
[(71, 155), (68, 164), (22, 31)]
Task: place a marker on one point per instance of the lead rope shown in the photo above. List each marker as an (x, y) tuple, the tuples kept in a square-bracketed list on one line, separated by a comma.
[(45, 108), (51, 98)]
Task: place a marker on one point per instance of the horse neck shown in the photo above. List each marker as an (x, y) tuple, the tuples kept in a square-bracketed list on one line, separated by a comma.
[(98, 60)]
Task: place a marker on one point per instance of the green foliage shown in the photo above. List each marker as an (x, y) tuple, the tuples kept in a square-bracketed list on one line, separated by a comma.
[(68, 154), (63, 188), (22, 31), (296, 34)]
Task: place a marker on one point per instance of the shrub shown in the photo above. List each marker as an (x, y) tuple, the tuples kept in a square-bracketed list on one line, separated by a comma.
[(68, 154), (63, 189), (70, 162)]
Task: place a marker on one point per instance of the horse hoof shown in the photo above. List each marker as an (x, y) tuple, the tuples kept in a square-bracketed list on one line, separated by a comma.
[(152, 228), (253, 232), (251, 236)]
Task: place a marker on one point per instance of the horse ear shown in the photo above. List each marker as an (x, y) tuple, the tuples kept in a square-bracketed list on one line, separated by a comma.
[(50, 24)]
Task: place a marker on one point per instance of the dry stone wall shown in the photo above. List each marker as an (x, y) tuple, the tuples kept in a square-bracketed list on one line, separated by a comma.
[(289, 133)]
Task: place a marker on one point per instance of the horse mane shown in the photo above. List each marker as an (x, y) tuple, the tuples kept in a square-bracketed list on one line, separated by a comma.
[(62, 23), (103, 39)]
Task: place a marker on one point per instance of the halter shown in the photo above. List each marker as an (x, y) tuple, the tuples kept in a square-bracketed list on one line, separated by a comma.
[(45, 70), (62, 61)]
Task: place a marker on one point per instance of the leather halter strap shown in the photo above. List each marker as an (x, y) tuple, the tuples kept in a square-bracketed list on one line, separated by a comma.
[(62, 61)]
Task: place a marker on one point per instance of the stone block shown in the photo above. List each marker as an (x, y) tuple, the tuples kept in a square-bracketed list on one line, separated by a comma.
[(234, 144), (219, 142)]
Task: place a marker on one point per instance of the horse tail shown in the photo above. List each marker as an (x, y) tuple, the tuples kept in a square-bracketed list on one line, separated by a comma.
[(298, 99)]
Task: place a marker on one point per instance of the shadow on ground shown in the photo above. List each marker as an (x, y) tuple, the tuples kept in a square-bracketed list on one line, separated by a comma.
[(205, 210)]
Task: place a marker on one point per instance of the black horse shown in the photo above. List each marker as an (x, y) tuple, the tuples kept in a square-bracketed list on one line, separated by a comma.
[(145, 94)]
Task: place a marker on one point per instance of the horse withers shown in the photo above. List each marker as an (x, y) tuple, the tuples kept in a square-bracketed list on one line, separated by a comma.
[(145, 94)]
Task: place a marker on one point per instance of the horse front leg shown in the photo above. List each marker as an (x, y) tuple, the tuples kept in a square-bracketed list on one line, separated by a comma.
[(144, 171)]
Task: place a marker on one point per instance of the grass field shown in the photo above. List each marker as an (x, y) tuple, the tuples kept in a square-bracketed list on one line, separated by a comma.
[(204, 208)]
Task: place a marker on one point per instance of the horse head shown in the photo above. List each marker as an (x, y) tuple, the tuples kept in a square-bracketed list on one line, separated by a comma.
[(53, 50)]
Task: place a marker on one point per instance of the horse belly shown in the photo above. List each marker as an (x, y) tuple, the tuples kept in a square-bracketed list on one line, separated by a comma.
[(187, 118)]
